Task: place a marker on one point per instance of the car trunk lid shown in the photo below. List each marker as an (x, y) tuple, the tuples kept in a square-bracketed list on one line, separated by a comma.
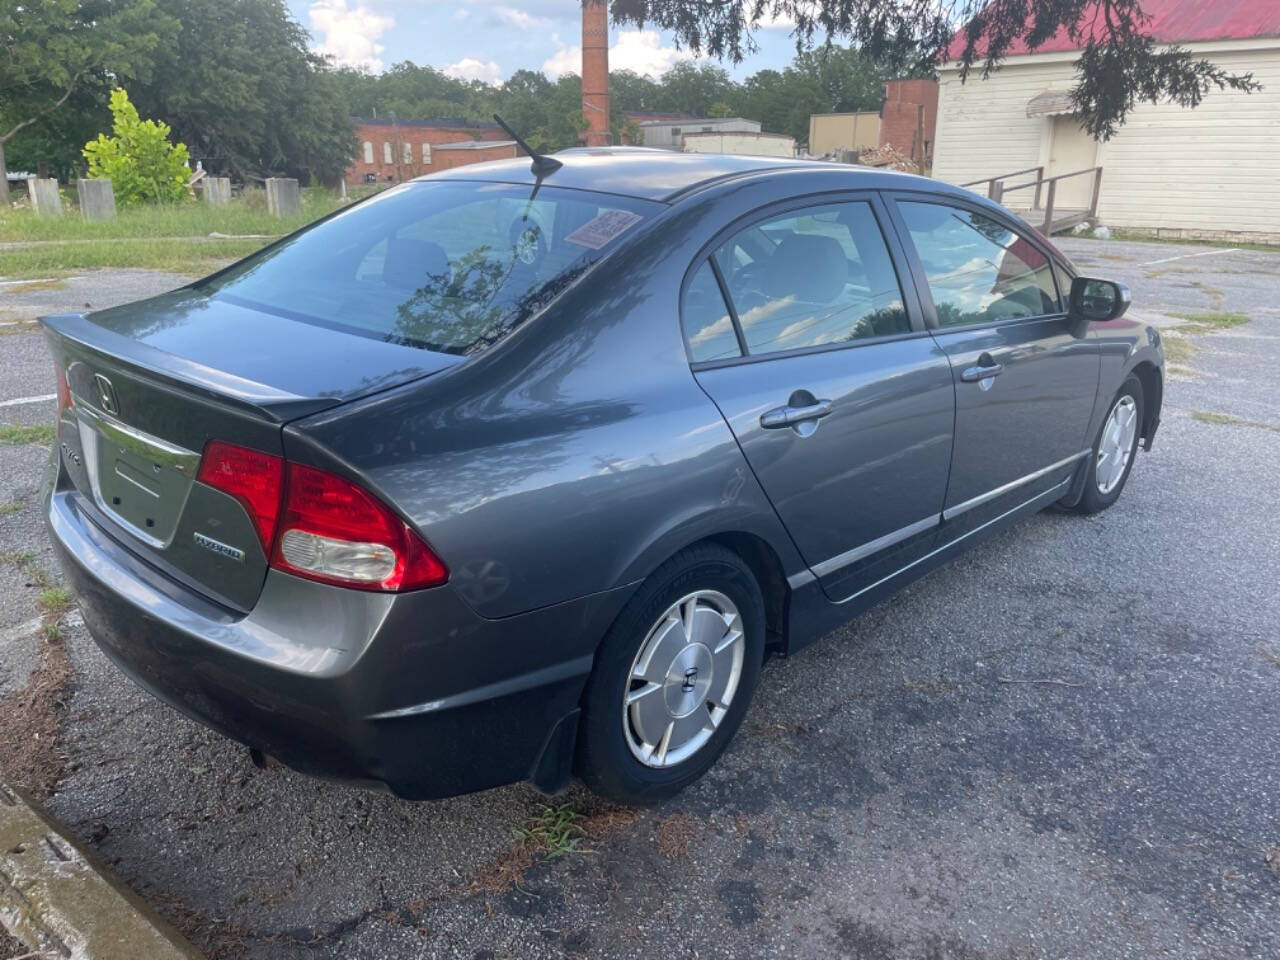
[(152, 383)]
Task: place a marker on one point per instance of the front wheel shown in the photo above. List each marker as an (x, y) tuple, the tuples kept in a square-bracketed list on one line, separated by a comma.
[(673, 678), (1114, 449)]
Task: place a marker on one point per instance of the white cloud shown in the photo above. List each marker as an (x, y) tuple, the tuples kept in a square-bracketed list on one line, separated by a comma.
[(638, 50), (564, 60), (461, 14), (349, 35), (518, 18), (775, 21), (469, 68)]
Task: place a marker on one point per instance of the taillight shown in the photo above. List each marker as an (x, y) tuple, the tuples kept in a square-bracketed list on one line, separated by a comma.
[(332, 530), (64, 390), (252, 477), (319, 525)]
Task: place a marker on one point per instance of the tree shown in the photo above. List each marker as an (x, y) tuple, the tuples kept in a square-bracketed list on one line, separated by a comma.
[(141, 163), (1120, 64), (241, 88), (53, 47)]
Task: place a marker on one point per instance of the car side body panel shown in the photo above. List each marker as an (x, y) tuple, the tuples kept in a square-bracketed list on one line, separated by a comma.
[(585, 427)]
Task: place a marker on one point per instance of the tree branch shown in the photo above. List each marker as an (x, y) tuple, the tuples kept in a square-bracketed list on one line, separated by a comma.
[(47, 110)]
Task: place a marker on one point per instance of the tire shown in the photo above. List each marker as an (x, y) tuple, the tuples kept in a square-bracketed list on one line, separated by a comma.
[(621, 752), (1102, 486)]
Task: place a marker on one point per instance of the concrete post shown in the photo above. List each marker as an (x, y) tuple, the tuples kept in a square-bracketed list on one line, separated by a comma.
[(217, 191), (45, 199), (283, 199), (97, 200)]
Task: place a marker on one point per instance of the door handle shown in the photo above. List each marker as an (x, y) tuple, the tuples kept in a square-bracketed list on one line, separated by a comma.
[(984, 368), (789, 416)]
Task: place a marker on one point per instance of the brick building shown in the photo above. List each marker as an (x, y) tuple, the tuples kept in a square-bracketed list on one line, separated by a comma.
[(899, 122), (390, 151)]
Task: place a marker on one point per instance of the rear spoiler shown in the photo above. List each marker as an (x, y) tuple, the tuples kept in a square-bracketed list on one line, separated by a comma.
[(270, 403)]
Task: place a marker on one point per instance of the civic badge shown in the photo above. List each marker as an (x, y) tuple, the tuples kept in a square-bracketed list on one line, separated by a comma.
[(106, 395)]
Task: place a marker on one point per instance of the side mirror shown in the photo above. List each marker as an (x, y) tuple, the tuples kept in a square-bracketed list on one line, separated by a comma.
[(1097, 301)]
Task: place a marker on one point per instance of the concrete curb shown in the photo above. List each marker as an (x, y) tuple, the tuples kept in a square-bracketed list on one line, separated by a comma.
[(56, 897)]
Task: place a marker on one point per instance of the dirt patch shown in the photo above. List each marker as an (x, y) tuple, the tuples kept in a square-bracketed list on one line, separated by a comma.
[(9, 946), (220, 938), (31, 748), (31, 753), (673, 836)]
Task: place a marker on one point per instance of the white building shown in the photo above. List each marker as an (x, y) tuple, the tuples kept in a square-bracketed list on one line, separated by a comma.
[(1212, 172), (667, 134), (747, 144)]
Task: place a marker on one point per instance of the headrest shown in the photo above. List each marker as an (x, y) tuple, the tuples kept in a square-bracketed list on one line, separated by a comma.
[(807, 267), (410, 262)]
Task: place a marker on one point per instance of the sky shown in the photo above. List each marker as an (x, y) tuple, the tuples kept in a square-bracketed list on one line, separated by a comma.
[(491, 39)]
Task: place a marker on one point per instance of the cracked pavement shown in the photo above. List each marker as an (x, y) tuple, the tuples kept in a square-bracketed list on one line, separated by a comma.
[(1064, 744)]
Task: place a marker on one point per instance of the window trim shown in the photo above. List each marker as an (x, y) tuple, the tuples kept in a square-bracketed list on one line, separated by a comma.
[(893, 197), (893, 246)]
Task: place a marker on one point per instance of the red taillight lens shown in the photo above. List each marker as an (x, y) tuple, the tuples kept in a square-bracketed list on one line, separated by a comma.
[(319, 525), (64, 390), (333, 531), (252, 477)]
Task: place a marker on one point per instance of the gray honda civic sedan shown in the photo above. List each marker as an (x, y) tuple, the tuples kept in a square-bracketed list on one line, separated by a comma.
[(521, 471)]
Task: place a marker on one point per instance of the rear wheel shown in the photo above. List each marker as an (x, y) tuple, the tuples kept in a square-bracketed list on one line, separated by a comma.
[(1114, 449), (673, 678)]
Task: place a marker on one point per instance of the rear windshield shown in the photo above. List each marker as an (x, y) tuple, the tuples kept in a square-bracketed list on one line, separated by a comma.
[(451, 266)]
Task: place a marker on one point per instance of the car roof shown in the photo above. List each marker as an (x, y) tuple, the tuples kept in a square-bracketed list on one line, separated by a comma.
[(665, 175)]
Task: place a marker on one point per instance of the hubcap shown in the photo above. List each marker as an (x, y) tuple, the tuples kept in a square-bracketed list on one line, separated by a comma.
[(683, 679), (1116, 445)]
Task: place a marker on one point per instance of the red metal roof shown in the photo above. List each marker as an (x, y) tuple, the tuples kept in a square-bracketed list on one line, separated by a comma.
[(1172, 21)]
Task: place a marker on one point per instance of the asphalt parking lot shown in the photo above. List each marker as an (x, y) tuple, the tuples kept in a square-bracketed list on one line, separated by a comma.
[(1064, 744)]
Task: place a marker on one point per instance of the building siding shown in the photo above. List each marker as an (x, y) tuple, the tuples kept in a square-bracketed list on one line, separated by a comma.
[(1209, 171)]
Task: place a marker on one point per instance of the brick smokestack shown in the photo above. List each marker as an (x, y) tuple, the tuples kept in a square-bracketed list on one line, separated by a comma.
[(595, 72)]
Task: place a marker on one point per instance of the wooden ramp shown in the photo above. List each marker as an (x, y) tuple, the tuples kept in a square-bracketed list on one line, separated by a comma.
[(1025, 197)]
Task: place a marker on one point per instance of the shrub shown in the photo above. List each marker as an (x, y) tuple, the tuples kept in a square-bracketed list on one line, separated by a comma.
[(141, 163)]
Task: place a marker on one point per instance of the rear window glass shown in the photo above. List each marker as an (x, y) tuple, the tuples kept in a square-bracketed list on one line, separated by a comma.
[(448, 266)]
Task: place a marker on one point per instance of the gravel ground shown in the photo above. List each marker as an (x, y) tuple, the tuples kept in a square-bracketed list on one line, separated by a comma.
[(1064, 744)]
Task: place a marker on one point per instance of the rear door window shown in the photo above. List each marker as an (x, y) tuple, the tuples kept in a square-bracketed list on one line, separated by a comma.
[(451, 266), (821, 276), (979, 271)]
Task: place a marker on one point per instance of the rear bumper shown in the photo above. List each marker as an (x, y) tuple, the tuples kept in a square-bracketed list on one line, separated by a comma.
[(413, 692)]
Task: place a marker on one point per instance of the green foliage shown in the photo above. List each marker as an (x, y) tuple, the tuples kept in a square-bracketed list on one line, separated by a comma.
[(555, 831), (54, 49), (141, 163), (548, 113), (241, 88), (15, 435)]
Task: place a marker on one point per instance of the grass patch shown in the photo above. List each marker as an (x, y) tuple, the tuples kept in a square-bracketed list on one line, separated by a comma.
[(174, 237), (54, 600), (1226, 420), (1206, 416), (1139, 236), (247, 214), (36, 285), (14, 435), (1178, 349), (195, 256), (1210, 322), (12, 506), (555, 831)]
